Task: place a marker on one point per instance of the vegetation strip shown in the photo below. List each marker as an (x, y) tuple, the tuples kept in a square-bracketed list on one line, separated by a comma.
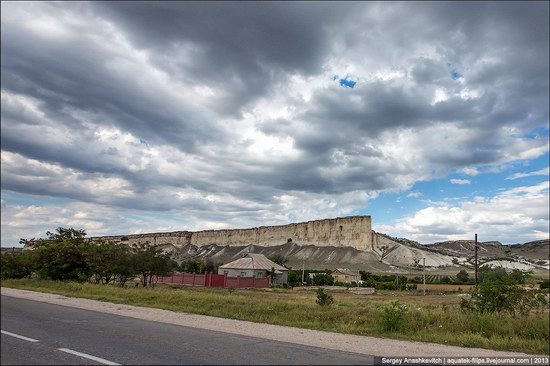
[(433, 318)]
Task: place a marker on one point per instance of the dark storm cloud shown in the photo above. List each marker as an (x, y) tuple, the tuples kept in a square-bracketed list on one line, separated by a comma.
[(183, 76), (238, 48), (75, 74)]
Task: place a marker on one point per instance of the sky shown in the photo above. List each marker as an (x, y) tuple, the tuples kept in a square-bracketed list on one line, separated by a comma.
[(133, 117)]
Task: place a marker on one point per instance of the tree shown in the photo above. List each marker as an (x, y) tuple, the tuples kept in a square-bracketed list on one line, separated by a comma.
[(323, 279), (62, 256), (192, 266), (294, 278), (211, 266), (62, 234), (148, 261), (109, 261), (488, 274), (462, 276)]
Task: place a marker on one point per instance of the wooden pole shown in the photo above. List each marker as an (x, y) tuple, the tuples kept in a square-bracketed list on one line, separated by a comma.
[(475, 262), (424, 274), (303, 271)]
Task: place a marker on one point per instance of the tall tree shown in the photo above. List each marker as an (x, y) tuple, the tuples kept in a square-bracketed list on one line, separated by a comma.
[(148, 261), (62, 256)]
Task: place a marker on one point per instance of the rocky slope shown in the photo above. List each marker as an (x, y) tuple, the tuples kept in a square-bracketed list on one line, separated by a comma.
[(386, 254)]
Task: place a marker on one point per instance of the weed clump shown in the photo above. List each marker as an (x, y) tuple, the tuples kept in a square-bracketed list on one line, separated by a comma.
[(393, 314), (323, 298)]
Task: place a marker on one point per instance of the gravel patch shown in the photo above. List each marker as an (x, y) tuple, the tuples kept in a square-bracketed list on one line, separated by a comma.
[(328, 340)]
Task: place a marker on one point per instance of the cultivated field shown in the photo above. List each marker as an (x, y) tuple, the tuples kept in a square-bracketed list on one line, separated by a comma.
[(432, 318)]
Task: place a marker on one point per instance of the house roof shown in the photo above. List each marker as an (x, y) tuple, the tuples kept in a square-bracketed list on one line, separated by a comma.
[(344, 271), (254, 261)]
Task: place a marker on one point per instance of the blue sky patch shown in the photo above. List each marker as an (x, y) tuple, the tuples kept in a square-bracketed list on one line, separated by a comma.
[(347, 83), (389, 207), (455, 75)]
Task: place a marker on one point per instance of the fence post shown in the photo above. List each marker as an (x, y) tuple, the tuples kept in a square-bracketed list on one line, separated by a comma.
[(183, 277), (172, 280), (224, 279), (193, 278), (238, 281), (254, 281), (210, 280)]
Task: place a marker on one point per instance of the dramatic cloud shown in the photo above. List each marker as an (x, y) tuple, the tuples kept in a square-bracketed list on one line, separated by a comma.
[(514, 216), (242, 114)]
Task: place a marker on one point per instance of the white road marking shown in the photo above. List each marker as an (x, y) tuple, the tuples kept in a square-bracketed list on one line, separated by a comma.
[(19, 336), (89, 357)]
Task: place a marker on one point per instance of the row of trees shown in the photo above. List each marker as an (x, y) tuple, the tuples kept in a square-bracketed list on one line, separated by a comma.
[(66, 255)]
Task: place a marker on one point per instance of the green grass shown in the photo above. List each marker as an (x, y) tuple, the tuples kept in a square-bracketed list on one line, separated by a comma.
[(431, 318)]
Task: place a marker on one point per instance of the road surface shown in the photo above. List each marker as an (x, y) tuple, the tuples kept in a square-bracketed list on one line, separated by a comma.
[(39, 333)]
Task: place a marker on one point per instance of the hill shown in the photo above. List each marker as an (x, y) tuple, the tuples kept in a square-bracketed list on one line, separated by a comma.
[(387, 254)]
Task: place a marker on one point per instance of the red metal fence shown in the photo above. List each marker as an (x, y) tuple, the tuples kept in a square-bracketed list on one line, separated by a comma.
[(213, 280)]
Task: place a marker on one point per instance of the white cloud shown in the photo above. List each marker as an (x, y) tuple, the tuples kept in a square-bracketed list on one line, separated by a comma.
[(543, 171), (470, 171), (515, 215), (460, 181)]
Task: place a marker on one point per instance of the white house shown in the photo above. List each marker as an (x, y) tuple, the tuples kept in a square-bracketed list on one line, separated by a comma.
[(257, 265)]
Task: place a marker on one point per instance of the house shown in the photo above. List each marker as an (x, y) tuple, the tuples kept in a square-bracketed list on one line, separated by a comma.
[(345, 275), (254, 265)]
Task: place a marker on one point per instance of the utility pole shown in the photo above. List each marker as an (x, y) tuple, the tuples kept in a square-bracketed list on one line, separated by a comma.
[(424, 274), (475, 261), (303, 270)]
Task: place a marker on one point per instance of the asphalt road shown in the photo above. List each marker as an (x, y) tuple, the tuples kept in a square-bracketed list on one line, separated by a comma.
[(59, 335)]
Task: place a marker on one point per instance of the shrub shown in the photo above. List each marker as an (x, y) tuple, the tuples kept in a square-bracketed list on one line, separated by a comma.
[(323, 298), (503, 296), (16, 265), (393, 314)]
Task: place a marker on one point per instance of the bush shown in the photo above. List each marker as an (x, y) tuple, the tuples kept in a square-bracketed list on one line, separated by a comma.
[(503, 296), (393, 314), (16, 265), (323, 298)]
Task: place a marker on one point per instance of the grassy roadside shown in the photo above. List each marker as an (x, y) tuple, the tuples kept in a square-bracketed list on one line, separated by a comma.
[(436, 318)]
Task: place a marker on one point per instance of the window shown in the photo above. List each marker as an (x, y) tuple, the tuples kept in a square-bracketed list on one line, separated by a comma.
[(260, 274), (243, 273)]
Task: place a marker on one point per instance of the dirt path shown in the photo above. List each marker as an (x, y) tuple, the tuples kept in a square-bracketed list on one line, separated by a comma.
[(328, 340)]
